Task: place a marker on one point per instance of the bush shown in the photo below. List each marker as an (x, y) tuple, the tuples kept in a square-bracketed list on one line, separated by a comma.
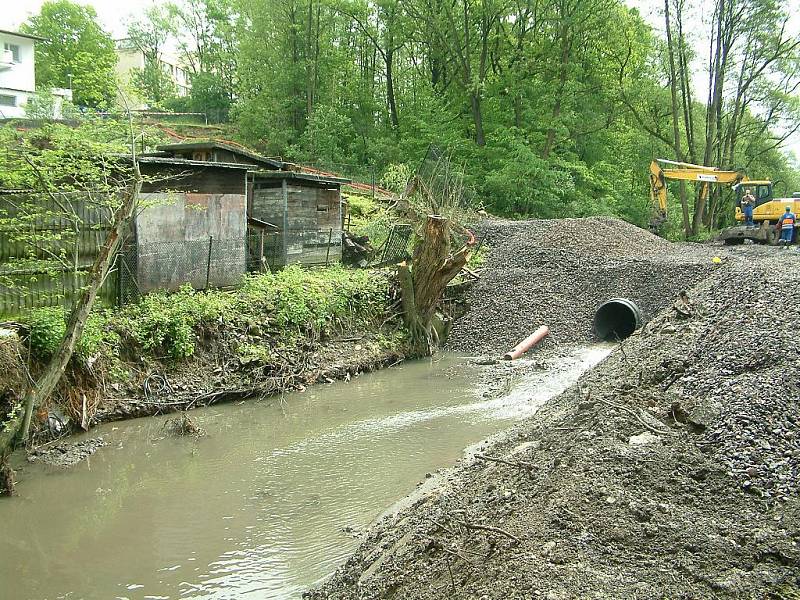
[(294, 302), (48, 326), (164, 322)]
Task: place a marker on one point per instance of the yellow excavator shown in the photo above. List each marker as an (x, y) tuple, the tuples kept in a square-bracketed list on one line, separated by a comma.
[(767, 210)]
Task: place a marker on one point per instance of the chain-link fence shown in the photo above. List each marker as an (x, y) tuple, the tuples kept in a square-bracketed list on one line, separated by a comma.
[(212, 263)]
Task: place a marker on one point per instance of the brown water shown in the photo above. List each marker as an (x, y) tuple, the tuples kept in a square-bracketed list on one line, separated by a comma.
[(261, 507)]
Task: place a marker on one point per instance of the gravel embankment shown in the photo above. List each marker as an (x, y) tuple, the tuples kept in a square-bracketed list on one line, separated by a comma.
[(558, 272), (672, 470)]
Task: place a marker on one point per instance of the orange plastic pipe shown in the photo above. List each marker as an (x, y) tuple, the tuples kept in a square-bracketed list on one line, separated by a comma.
[(528, 343)]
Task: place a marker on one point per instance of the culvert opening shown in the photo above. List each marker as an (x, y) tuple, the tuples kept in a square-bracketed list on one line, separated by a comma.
[(617, 319)]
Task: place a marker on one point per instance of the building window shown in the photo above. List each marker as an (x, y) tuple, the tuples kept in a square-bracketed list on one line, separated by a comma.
[(6, 100), (14, 49)]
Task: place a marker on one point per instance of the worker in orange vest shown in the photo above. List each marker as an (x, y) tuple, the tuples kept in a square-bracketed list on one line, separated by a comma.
[(786, 225)]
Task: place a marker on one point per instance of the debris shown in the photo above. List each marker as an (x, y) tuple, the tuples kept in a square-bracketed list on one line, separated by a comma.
[(643, 439), (183, 425), (66, 454), (7, 481)]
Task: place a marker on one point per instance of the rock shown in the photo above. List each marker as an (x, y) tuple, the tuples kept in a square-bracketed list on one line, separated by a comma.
[(643, 439)]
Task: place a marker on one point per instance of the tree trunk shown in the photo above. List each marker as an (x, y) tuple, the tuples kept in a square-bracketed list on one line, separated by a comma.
[(390, 96), (422, 288), (310, 76), (477, 117), (82, 308), (562, 82), (676, 132)]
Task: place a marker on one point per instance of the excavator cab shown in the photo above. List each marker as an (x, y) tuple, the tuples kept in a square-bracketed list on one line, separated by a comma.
[(761, 190)]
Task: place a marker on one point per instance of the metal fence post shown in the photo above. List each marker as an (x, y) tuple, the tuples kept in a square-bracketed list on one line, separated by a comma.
[(328, 252), (208, 264), (261, 261)]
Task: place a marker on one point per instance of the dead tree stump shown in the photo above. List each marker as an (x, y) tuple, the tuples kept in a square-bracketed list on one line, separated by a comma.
[(423, 282)]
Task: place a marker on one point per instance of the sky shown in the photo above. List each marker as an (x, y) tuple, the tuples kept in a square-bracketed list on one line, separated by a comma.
[(113, 15)]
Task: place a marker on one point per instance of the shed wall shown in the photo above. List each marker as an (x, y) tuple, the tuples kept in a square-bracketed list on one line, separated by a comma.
[(173, 240)]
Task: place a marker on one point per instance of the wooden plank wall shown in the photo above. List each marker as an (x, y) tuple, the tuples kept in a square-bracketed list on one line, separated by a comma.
[(24, 285)]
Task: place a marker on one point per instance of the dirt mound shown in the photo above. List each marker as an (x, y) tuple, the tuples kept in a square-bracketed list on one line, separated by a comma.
[(670, 471), (559, 272)]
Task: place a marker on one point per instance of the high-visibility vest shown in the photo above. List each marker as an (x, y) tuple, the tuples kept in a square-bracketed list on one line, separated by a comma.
[(788, 221)]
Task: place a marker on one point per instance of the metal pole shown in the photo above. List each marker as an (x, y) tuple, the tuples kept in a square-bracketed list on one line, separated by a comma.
[(208, 264), (261, 254), (328, 253), (373, 181)]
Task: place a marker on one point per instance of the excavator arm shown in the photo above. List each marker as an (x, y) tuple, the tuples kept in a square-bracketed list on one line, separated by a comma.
[(683, 172)]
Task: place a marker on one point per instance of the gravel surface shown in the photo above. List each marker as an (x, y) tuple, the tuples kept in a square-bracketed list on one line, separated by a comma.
[(669, 471), (558, 272)]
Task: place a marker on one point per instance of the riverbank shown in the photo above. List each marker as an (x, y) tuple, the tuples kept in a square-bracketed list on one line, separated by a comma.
[(672, 470), (276, 333)]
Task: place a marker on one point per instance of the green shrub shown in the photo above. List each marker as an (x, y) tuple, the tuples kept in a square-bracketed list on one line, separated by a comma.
[(166, 322), (295, 301), (48, 326)]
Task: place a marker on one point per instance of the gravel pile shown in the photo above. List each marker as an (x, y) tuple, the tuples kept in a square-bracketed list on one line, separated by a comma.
[(742, 374), (558, 272), (672, 470)]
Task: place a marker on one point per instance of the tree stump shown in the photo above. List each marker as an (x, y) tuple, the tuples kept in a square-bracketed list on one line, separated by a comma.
[(423, 282)]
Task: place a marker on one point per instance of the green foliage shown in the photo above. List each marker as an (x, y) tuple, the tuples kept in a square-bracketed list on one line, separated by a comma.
[(318, 301), (76, 52), (48, 325), (154, 83), (328, 137), (164, 322), (40, 106), (211, 96), (396, 177), (550, 111), (290, 303)]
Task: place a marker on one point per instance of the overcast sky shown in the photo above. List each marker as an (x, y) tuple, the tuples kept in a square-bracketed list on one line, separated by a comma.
[(113, 15)]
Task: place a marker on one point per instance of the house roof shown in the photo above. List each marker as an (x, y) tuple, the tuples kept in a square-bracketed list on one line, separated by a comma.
[(212, 144), (301, 176), (159, 160), (23, 35)]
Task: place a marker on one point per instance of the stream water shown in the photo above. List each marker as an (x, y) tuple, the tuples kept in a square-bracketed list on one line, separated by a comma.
[(266, 503)]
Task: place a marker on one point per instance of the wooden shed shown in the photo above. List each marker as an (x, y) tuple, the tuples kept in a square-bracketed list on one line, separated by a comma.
[(306, 208), (193, 227)]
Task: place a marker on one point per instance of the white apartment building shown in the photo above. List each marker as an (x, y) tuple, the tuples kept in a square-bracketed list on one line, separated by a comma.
[(131, 58), (17, 72)]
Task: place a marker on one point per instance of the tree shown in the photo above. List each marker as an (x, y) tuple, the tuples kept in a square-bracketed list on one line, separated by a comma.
[(206, 32), (149, 35), (424, 279), (59, 163), (552, 111), (75, 52)]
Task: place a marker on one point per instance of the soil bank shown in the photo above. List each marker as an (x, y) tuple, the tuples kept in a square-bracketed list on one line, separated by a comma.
[(671, 470)]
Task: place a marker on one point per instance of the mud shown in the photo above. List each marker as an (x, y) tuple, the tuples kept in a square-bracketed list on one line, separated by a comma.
[(216, 377), (669, 471), (66, 453)]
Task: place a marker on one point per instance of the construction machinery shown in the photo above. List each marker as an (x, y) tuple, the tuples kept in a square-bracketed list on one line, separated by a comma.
[(767, 210)]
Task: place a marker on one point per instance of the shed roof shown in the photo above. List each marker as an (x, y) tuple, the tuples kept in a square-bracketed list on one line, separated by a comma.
[(212, 144), (160, 160), (301, 176)]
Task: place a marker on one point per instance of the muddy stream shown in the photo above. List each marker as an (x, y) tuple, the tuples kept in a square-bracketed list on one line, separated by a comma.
[(267, 503)]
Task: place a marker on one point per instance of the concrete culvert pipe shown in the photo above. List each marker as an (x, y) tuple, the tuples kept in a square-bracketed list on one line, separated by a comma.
[(617, 319)]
